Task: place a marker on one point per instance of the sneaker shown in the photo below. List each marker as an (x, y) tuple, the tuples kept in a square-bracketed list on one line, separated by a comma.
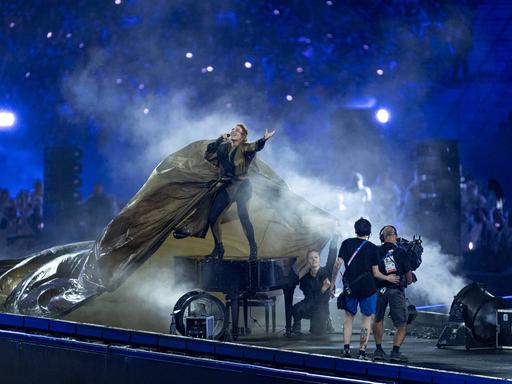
[(398, 357), (346, 353), (379, 354), (362, 355), (296, 329)]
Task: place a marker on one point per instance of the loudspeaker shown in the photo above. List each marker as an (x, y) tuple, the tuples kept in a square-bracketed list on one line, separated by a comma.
[(438, 193), (62, 195), (62, 183)]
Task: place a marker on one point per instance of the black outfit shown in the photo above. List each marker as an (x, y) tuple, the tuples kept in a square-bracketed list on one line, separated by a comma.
[(222, 201), (315, 305), (233, 163), (361, 264), (393, 260)]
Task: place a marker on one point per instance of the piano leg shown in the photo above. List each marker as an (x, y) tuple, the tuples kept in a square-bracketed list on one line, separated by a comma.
[(234, 316), (273, 315), (267, 315), (246, 316)]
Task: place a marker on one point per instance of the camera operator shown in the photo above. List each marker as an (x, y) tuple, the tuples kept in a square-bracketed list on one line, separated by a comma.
[(392, 260)]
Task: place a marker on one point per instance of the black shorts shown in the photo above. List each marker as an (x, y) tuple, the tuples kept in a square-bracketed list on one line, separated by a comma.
[(395, 298)]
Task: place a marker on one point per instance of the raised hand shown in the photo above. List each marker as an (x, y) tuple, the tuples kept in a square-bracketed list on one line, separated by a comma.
[(268, 134)]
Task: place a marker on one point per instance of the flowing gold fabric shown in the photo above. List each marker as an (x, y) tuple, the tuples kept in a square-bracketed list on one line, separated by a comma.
[(177, 194)]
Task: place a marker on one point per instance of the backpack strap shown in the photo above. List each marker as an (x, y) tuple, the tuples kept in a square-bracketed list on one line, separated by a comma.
[(356, 251)]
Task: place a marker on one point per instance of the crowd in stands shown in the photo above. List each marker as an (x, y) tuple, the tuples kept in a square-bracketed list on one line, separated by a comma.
[(487, 227), (23, 226), (21, 215)]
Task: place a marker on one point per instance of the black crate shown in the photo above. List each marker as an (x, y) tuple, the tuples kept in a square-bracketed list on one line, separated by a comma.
[(504, 328)]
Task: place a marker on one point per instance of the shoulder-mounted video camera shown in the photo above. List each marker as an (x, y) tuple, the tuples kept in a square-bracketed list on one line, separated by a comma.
[(413, 249)]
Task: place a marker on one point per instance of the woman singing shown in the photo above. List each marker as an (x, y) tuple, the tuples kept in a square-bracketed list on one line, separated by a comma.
[(233, 155)]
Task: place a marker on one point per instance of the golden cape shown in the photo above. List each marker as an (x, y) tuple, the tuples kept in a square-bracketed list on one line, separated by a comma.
[(176, 195)]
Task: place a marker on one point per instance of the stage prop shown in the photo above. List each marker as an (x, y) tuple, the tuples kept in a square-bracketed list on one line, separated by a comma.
[(176, 196), (241, 281)]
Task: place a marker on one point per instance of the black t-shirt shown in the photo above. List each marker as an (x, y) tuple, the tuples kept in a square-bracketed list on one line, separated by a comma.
[(362, 262), (393, 260), (311, 286)]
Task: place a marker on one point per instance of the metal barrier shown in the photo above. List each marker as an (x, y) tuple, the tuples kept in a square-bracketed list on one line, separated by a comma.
[(40, 349)]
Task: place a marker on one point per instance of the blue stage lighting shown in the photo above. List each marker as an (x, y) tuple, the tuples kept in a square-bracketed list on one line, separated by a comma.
[(7, 119), (382, 116)]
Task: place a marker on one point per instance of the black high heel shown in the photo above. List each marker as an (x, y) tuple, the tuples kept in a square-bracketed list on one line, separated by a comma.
[(253, 252), (217, 252)]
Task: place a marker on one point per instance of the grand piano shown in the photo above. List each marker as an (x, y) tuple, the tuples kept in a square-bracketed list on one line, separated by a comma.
[(239, 278)]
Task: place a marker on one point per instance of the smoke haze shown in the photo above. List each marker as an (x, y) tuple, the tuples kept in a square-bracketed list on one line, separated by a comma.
[(313, 152)]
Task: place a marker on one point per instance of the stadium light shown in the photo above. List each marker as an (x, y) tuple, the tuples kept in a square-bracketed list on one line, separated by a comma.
[(382, 116)]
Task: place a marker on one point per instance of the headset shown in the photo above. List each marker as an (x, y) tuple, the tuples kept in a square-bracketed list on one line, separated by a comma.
[(381, 232)]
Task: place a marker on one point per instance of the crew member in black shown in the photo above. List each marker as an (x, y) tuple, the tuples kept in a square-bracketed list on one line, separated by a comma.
[(392, 260), (316, 288), (361, 265), (233, 156)]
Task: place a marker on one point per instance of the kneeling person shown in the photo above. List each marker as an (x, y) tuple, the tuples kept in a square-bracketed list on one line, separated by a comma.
[(316, 288)]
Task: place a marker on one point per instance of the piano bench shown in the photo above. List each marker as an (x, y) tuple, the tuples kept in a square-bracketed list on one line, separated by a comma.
[(257, 300)]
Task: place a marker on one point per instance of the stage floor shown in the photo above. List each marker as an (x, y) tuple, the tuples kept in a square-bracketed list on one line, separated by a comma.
[(421, 352)]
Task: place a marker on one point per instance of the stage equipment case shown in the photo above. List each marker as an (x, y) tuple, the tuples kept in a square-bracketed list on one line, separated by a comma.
[(504, 328)]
